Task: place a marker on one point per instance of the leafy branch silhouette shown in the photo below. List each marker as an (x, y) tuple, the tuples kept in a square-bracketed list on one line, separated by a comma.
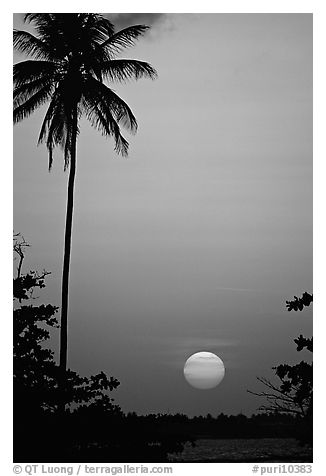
[(295, 392)]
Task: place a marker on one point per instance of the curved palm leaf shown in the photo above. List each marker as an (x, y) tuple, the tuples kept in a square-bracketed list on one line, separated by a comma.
[(27, 71), (97, 28), (40, 19), (56, 126), (106, 111), (106, 124), (44, 136), (124, 38), (33, 103), (29, 44), (41, 75), (125, 69), (110, 103), (26, 91)]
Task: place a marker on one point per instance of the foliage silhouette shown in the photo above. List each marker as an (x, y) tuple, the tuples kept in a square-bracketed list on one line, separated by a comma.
[(74, 54), (297, 304), (295, 392), (35, 373)]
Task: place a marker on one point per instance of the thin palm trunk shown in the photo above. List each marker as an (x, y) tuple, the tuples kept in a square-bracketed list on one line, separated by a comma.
[(66, 261), (73, 56)]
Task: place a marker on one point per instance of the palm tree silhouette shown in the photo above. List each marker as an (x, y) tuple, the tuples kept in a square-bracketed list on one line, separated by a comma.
[(73, 55)]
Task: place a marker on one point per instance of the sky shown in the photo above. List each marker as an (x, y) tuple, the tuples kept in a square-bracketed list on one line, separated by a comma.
[(196, 240)]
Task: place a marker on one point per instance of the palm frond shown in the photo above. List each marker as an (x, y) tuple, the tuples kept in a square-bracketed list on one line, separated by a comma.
[(55, 30), (110, 104), (45, 24), (28, 82), (38, 18), (103, 24), (97, 28), (60, 133), (56, 127), (31, 70), (24, 92), (125, 69), (124, 38), (27, 43), (105, 110), (28, 107), (44, 129), (107, 125)]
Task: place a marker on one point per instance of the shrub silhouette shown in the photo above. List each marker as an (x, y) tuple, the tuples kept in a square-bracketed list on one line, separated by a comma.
[(36, 374), (294, 395)]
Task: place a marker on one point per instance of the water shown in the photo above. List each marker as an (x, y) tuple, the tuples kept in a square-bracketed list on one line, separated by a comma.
[(245, 450)]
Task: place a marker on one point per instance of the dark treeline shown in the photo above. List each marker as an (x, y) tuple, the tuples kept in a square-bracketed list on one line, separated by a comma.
[(264, 425), (96, 434)]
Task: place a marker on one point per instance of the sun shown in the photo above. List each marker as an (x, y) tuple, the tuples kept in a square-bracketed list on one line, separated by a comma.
[(204, 370)]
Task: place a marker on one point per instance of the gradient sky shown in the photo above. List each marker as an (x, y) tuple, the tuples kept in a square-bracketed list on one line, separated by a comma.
[(196, 240)]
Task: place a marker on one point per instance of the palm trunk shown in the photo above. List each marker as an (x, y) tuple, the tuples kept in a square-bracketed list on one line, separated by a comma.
[(66, 264)]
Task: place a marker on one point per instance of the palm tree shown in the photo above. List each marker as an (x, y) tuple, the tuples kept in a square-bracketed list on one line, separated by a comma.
[(74, 55)]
